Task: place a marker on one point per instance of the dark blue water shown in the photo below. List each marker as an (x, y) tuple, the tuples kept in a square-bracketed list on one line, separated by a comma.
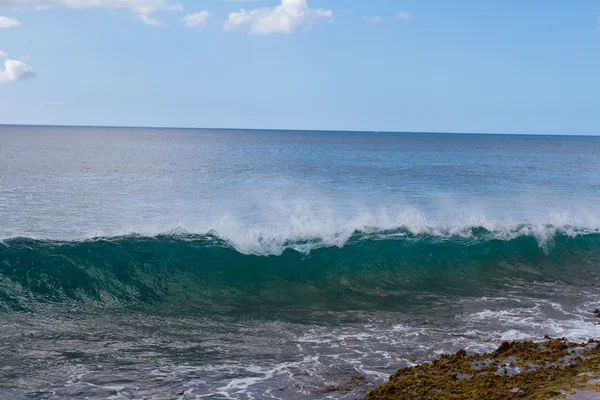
[(157, 263)]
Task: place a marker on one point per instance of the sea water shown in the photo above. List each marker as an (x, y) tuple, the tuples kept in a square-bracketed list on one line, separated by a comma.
[(183, 263)]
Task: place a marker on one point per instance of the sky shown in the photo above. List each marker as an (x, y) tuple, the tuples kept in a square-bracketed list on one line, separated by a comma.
[(506, 66)]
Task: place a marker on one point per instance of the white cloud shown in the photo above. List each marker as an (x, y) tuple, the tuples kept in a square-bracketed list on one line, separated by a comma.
[(3, 54), (403, 15), (374, 20), (15, 70), (149, 20), (196, 19), (8, 22), (283, 18), (139, 6)]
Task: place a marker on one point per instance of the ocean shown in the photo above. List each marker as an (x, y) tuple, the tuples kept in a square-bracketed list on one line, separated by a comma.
[(144, 263)]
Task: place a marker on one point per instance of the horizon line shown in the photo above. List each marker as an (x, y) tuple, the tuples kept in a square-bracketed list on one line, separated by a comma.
[(388, 132)]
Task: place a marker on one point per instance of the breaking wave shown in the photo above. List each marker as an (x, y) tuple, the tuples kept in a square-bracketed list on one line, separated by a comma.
[(380, 269)]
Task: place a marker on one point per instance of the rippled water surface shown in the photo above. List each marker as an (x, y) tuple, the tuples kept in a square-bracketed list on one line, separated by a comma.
[(161, 264)]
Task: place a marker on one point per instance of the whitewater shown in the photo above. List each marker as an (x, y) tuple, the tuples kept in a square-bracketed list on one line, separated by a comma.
[(174, 263)]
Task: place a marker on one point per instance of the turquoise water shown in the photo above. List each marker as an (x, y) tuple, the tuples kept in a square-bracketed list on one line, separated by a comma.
[(159, 264)]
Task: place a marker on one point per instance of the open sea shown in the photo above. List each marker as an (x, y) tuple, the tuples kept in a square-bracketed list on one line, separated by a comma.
[(243, 264)]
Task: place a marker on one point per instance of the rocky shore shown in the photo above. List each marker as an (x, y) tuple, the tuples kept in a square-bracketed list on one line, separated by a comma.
[(549, 369)]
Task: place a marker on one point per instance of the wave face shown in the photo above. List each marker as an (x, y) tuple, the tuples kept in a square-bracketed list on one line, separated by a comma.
[(206, 274)]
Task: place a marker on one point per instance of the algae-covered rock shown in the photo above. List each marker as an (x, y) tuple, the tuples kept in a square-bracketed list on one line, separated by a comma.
[(550, 369)]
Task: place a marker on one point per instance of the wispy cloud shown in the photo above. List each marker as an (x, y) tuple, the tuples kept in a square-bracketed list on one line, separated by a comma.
[(141, 7), (374, 20), (196, 20), (8, 22), (284, 18), (403, 15), (145, 18)]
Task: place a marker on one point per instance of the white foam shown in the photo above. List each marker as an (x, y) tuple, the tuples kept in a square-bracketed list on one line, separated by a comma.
[(304, 225), (530, 322), (514, 334)]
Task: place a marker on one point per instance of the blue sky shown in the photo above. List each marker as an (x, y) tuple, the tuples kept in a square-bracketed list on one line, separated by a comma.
[(446, 66)]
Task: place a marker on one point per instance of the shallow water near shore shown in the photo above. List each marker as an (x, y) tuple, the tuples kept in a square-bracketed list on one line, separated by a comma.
[(159, 264)]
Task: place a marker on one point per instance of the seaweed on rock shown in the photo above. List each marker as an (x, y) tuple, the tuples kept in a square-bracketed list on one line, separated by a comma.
[(551, 369)]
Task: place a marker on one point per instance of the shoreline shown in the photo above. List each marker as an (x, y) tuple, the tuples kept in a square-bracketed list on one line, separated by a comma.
[(553, 368)]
